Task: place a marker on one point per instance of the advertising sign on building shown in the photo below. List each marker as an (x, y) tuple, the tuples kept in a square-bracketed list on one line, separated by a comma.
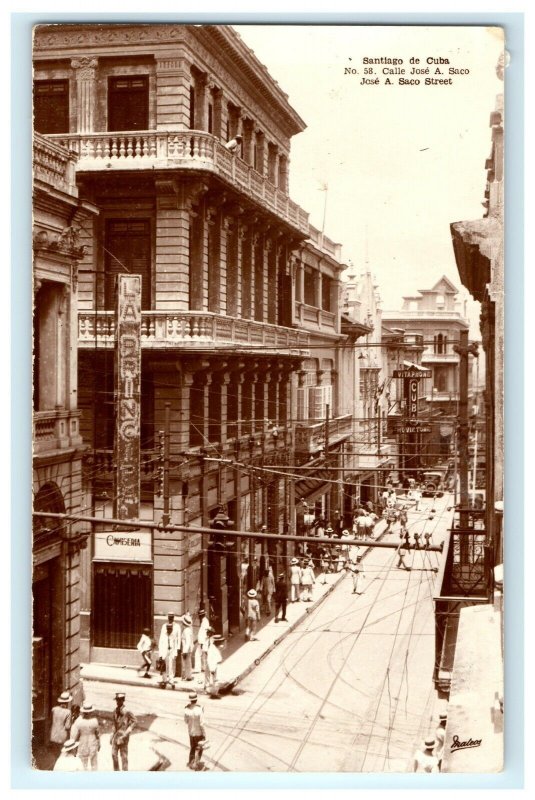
[(416, 374), (123, 546), (413, 398), (127, 392)]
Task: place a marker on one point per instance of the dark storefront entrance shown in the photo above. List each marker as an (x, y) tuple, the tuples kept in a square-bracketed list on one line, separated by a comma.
[(122, 604), (46, 646)]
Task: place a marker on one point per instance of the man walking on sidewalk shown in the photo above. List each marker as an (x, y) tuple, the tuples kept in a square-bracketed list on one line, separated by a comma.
[(168, 652), (202, 641), (252, 614), (295, 579), (194, 719), (187, 648), (163, 643), (281, 597)]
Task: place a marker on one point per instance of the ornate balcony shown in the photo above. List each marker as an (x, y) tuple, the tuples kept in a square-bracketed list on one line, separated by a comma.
[(194, 330), (313, 318), (55, 430), (310, 436), (184, 150), (53, 165)]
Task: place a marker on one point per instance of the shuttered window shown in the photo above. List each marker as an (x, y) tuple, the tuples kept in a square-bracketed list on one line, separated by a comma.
[(319, 397), (51, 106), (128, 250), (128, 103)]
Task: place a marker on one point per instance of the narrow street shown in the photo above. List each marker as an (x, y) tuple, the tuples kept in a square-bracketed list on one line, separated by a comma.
[(350, 689)]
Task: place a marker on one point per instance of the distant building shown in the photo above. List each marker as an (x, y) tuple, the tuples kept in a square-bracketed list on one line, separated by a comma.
[(436, 316), (374, 452)]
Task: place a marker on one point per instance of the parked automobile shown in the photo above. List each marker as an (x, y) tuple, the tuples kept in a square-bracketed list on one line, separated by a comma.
[(433, 483)]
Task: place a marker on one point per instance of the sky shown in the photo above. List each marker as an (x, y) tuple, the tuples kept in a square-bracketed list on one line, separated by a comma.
[(401, 162)]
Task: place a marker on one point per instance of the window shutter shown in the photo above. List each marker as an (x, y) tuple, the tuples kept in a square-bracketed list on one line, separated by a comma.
[(302, 404)]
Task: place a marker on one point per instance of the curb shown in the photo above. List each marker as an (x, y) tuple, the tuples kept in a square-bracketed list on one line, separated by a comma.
[(135, 681)]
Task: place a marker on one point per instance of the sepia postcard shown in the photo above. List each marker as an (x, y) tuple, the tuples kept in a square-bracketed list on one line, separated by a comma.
[(268, 317)]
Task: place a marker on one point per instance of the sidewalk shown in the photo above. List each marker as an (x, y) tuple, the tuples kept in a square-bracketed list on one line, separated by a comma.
[(244, 656)]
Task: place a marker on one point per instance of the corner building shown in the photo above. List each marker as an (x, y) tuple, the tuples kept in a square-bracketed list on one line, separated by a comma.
[(148, 111)]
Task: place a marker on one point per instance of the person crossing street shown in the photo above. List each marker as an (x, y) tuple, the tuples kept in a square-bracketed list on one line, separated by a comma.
[(123, 724), (194, 719), (357, 573)]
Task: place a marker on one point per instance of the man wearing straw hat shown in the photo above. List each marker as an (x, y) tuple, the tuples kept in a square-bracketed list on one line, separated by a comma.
[(86, 732), (68, 760), (61, 723), (295, 580), (424, 760), (252, 615), (213, 660), (187, 647), (194, 719), (440, 735)]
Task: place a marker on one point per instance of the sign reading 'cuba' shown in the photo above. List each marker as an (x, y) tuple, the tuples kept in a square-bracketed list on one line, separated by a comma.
[(127, 388), (123, 546)]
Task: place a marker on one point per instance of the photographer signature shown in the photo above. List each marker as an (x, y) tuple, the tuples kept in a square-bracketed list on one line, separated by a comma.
[(458, 745)]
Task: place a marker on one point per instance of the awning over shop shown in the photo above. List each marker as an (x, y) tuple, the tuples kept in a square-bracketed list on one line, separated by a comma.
[(412, 365), (313, 486)]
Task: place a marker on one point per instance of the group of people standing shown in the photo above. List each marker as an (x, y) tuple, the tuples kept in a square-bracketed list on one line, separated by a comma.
[(178, 651), (76, 741)]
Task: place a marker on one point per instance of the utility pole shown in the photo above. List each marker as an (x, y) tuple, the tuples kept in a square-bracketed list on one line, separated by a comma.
[(464, 350), (327, 461)]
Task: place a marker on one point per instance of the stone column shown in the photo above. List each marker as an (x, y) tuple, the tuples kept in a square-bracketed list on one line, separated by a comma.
[(173, 79), (61, 348), (85, 72), (213, 219), (173, 274), (246, 271), (201, 105), (248, 141)]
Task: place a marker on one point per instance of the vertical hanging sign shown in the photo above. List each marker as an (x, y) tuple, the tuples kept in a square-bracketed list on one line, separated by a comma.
[(127, 396), (413, 398)]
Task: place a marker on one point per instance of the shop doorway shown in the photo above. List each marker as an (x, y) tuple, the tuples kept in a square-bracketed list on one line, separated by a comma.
[(122, 604)]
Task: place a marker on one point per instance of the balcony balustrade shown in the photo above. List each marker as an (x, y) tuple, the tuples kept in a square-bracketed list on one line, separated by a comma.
[(314, 318), (194, 330), (53, 164), (193, 150), (55, 430), (310, 436)]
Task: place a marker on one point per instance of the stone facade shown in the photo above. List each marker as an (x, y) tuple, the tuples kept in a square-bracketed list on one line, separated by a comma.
[(57, 443)]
